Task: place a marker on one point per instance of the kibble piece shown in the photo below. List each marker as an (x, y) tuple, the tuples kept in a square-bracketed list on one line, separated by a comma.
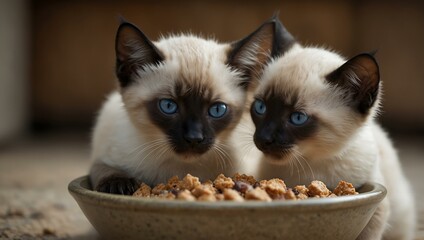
[(186, 196), (276, 188), (204, 189), (301, 192), (189, 182), (143, 191), (344, 188), (289, 195), (173, 183), (166, 195), (232, 195), (244, 178), (332, 195), (257, 194), (207, 198), (222, 182), (219, 197), (158, 189), (318, 189), (242, 186)]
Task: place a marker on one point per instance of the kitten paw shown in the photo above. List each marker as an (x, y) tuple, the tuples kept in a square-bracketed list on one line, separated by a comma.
[(118, 185)]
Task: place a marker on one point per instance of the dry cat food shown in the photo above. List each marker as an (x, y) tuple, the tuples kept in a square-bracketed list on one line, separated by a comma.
[(240, 188)]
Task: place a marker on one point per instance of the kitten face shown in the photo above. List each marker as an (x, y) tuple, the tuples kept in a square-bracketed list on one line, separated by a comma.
[(309, 102), (197, 119), (185, 91)]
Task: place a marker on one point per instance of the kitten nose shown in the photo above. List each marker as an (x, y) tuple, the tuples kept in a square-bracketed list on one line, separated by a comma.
[(268, 140), (193, 137), (193, 133), (267, 135)]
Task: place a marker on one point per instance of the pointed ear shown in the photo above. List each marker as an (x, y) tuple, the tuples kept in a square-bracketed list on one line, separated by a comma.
[(283, 40), (250, 54), (360, 77), (133, 51)]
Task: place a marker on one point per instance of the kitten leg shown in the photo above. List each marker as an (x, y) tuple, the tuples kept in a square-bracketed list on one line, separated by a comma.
[(105, 178), (378, 222)]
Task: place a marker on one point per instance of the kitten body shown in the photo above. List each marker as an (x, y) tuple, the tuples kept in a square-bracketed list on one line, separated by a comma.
[(340, 139), (179, 100)]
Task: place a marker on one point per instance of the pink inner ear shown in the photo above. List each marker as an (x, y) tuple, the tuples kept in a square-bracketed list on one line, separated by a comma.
[(127, 40), (366, 69), (361, 77), (251, 53), (133, 50)]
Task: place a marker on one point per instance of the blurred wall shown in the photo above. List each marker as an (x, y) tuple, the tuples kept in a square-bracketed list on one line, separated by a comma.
[(14, 40), (73, 46)]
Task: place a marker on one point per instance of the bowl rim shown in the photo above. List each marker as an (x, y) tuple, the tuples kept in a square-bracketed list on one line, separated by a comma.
[(78, 188)]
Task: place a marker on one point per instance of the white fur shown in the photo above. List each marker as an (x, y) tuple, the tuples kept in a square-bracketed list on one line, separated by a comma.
[(126, 139), (346, 147)]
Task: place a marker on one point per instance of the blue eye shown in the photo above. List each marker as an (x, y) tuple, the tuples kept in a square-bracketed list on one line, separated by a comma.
[(168, 106), (260, 107), (298, 118), (217, 110)]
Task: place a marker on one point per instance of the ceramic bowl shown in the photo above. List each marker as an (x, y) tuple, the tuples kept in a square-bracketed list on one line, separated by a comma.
[(126, 217)]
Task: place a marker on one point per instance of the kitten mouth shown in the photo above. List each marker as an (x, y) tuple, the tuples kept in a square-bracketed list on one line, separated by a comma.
[(189, 157), (277, 157)]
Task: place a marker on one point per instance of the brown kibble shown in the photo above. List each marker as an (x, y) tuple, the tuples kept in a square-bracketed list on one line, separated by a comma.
[(301, 189), (189, 182), (222, 182), (318, 188), (244, 178), (229, 189), (207, 198), (289, 195), (204, 189), (143, 191), (332, 195), (257, 194), (158, 189), (242, 186), (344, 188), (173, 183), (166, 195), (219, 197), (301, 192), (276, 188), (232, 195), (186, 196)]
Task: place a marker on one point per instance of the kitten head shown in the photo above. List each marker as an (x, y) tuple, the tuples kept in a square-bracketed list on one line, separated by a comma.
[(185, 91), (311, 101)]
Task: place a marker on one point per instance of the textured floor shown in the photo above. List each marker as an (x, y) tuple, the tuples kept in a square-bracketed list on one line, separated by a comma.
[(35, 203)]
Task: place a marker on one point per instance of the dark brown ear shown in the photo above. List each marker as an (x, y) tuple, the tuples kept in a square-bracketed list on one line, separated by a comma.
[(133, 51), (250, 54), (360, 77), (283, 40)]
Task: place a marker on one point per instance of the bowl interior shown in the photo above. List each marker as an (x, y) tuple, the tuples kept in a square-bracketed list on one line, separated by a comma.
[(127, 217), (369, 192)]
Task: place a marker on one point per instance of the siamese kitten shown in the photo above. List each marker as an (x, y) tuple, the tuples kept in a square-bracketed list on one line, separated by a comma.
[(178, 102), (314, 113)]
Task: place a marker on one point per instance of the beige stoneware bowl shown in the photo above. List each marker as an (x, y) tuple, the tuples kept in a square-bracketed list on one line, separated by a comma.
[(126, 217)]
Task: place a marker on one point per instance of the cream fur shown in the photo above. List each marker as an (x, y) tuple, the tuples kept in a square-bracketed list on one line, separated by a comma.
[(346, 146), (125, 138)]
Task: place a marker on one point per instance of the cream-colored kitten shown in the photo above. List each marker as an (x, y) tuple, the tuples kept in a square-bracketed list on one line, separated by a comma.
[(178, 102), (314, 114)]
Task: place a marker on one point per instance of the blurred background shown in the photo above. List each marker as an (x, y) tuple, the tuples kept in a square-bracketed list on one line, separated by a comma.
[(57, 57), (57, 65)]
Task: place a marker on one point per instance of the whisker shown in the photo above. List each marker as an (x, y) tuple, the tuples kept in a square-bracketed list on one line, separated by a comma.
[(295, 162), (222, 147), (307, 163), (151, 150)]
